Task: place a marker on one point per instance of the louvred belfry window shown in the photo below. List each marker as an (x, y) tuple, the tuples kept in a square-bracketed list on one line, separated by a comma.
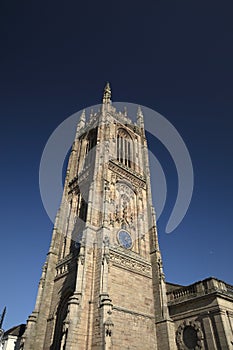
[(89, 147), (124, 148)]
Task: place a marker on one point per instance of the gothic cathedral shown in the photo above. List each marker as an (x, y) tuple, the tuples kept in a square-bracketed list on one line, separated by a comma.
[(102, 286)]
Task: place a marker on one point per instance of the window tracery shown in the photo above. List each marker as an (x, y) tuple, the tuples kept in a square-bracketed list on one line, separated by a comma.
[(125, 207), (89, 147), (124, 148)]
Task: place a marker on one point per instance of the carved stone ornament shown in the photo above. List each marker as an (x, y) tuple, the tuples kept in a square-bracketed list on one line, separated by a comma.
[(120, 260), (125, 206), (108, 327), (126, 173), (189, 336), (106, 241)]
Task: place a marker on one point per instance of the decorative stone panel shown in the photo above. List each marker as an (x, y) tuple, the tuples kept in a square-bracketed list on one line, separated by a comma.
[(189, 336)]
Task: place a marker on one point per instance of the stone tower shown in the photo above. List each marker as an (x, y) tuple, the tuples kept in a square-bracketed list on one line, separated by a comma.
[(102, 286)]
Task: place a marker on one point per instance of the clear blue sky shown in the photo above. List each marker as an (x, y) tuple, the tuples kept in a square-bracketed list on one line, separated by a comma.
[(174, 56)]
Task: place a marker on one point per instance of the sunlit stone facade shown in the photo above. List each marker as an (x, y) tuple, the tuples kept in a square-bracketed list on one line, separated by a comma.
[(102, 286)]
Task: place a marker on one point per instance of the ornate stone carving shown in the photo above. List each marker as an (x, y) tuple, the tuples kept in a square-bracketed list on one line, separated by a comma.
[(189, 336), (81, 257), (62, 267), (106, 241), (108, 325), (127, 173), (125, 206), (161, 273), (127, 262), (107, 94)]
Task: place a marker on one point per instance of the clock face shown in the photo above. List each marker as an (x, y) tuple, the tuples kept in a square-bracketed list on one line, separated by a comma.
[(124, 239)]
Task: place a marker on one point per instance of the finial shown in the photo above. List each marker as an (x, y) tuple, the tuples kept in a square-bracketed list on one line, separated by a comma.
[(140, 121), (83, 116), (107, 94), (81, 123), (139, 112)]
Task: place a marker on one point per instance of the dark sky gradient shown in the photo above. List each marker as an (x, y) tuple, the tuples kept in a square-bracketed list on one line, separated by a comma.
[(173, 56)]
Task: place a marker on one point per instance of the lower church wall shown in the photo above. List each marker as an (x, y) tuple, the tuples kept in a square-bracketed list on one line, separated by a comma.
[(131, 290), (133, 309), (133, 332)]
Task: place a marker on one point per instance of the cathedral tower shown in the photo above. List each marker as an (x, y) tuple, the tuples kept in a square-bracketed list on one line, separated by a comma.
[(102, 286)]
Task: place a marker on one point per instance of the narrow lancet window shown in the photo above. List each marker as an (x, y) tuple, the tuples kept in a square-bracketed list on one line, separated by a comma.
[(124, 148)]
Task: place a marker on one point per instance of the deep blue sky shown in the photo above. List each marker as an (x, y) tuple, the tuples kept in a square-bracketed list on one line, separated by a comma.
[(174, 56)]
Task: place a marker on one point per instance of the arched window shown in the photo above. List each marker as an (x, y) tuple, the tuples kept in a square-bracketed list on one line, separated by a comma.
[(60, 327), (89, 145), (83, 210), (82, 207), (124, 148)]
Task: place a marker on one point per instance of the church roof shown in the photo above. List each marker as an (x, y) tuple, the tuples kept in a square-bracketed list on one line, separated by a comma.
[(16, 330)]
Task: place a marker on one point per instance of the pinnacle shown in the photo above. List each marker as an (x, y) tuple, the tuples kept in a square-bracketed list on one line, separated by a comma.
[(107, 94)]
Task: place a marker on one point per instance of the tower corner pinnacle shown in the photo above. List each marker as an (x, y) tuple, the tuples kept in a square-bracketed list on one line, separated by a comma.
[(140, 118), (107, 94), (83, 116), (81, 123)]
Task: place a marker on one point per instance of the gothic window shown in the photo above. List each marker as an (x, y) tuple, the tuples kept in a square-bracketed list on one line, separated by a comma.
[(59, 337), (83, 210), (124, 148), (89, 145), (125, 206)]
